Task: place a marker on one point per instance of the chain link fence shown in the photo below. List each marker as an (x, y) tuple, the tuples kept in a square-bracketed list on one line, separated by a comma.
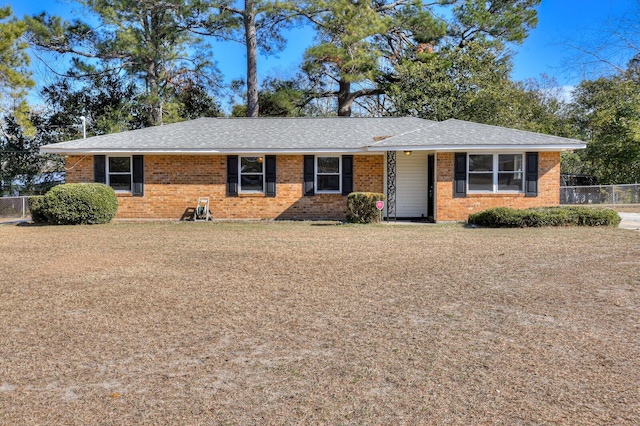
[(600, 194), (14, 208)]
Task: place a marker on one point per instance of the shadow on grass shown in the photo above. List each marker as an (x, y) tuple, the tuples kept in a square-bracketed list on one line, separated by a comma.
[(29, 224), (17, 222)]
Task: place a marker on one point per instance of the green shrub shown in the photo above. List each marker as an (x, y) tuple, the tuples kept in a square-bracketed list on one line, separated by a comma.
[(77, 203), (503, 217), (361, 207), (36, 208)]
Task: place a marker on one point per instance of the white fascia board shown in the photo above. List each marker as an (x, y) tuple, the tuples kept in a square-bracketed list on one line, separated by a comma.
[(92, 151), (467, 148)]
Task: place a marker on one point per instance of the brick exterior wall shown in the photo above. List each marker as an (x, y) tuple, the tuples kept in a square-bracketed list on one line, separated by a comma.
[(173, 183), (79, 168), (449, 208)]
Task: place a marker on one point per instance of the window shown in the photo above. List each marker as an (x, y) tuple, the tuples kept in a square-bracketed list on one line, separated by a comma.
[(251, 174), (495, 173), (481, 172), (510, 172), (328, 174), (119, 173)]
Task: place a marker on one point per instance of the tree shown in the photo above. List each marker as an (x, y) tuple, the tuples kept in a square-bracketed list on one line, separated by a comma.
[(260, 24), (195, 101), (347, 53), (107, 101), (22, 166), (156, 43), (280, 98), (606, 113), (362, 43), (110, 103), (466, 82), (15, 79), (496, 22), (472, 83), (284, 98), (470, 65)]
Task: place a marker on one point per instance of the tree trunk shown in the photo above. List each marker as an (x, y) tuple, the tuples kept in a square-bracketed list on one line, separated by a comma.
[(249, 19), (345, 100), (153, 101)]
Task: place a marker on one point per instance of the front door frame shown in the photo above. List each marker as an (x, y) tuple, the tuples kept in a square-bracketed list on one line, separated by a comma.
[(431, 182), (390, 184)]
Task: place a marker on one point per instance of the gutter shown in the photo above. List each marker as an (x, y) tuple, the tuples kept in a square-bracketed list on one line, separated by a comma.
[(155, 151)]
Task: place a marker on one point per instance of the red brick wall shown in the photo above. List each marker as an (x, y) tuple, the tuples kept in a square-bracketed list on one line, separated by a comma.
[(174, 182), (79, 168), (449, 208)]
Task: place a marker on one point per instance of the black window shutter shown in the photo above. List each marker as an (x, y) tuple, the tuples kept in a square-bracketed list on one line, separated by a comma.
[(270, 164), (232, 175), (138, 175), (347, 174), (531, 175), (309, 178), (100, 169), (460, 175)]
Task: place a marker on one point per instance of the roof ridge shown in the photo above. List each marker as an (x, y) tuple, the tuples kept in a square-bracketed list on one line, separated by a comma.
[(310, 118)]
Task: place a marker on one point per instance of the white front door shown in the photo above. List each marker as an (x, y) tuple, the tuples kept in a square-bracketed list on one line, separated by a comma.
[(411, 184)]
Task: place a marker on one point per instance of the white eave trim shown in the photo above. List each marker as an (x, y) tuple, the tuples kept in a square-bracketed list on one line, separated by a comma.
[(467, 148), (372, 150), (155, 151)]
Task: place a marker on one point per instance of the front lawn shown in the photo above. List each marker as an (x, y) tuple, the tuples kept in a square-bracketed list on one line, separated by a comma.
[(297, 323)]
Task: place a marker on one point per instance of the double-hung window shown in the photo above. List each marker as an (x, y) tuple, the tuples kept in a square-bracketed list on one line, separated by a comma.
[(495, 173), (119, 174), (328, 174), (510, 172), (251, 174)]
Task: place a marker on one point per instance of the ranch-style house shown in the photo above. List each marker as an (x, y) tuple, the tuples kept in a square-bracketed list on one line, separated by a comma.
[(303, 168)]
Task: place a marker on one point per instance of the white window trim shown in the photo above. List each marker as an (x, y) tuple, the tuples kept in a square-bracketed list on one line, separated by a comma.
[(240, 190), (339, 190), (496, 156), (130, 173)]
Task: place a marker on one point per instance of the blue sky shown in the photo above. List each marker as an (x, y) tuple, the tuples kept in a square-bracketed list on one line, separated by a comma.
[(560, 22), (544, 51)]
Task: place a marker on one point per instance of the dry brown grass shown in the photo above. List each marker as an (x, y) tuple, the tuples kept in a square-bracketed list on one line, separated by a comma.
[(199, 324), (625, 208)]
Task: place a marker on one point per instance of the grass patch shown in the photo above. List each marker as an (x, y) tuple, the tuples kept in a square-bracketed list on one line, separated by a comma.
[(226, 323)]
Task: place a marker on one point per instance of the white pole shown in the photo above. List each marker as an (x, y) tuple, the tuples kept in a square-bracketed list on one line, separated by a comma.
[(84, 127)]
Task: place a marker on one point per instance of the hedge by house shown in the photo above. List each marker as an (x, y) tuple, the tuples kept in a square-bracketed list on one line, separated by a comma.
[(74, 204), (503, 217), (361, 207)]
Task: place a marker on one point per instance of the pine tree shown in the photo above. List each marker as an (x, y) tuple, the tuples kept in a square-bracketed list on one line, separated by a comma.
[(157, 43), (15, 78)]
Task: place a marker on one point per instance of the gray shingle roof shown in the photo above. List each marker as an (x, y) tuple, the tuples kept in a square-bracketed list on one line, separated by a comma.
[(461, 134), (335, 134), (242, 134)]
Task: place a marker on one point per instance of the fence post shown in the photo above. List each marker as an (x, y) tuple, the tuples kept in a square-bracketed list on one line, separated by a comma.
[(24, 207), (613, 194)]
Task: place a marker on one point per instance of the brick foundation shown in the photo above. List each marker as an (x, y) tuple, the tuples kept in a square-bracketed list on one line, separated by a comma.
[(449, 208), (173, 183)]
